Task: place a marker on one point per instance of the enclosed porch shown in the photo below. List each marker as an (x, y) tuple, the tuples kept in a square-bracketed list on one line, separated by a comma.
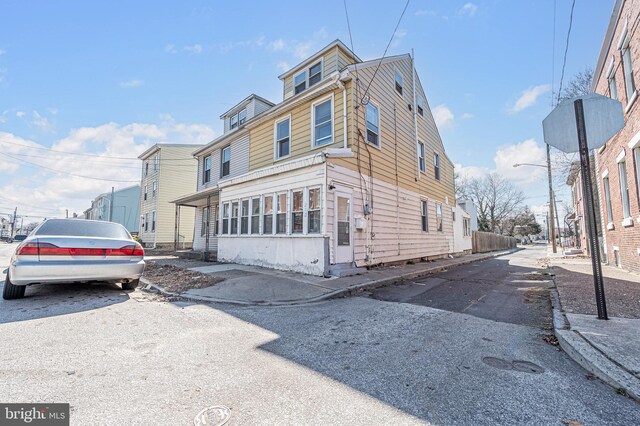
[(205, 240)]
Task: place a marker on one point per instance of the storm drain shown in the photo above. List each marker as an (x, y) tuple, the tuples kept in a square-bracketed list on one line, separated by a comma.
[(216, 415), (518, 365)]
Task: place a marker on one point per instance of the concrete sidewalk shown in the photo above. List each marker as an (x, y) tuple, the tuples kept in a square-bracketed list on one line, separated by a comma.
[(609, 349), (250, 285)]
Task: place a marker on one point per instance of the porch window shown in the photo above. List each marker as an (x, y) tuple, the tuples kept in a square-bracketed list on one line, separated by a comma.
[(244, 218), (438, 217), (281, 216), (206, 170), (283, 132), (225, 218), (313, 224), (267, 217), (255, 215), (373, 123), (225, 161), (234, 218), (323, 123), (297, 212), (425, 215)]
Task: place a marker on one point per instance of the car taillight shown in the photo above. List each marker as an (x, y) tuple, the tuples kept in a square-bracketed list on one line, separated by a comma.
[(29, 249), (130, 250)]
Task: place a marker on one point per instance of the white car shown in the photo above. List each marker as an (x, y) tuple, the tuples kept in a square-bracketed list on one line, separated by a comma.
[(75, 251)]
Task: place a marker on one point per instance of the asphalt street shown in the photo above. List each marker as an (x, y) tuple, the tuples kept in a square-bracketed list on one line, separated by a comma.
[(134, 358)]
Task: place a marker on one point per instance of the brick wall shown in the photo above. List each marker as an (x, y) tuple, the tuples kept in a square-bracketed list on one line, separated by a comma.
[(625, 234)]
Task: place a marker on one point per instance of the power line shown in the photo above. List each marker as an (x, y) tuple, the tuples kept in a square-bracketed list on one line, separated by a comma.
[(385, 50), (553, 52), (566, 49), (34, 165)]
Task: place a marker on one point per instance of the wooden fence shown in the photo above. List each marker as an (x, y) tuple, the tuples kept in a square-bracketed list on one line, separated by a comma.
[(484, 242)]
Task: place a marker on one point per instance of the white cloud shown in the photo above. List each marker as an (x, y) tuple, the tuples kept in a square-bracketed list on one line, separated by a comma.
[(529, 97), (103, 142), (468, 9), (423, 12), (170, 48), (283, 66), (277, 45), (131, 83), (443, 116), (194, 49), (467, 116), (528, 151), (20, 114), (42, 123), (398, 37)]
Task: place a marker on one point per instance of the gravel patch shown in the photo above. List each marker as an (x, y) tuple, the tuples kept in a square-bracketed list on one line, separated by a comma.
[(175, 279)]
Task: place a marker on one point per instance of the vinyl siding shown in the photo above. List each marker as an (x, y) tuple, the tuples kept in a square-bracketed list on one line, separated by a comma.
[(239, 161), (199, 240), (262, 136), (334, 60)]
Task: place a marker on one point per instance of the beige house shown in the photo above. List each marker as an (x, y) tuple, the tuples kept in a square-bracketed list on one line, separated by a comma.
[(347, 171), (166, 170)]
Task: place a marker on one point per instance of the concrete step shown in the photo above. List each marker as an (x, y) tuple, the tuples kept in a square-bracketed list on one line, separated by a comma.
[(197, 255), (344, 270)]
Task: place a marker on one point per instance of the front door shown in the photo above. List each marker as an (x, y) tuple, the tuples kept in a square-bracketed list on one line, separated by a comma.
[(343, 238)]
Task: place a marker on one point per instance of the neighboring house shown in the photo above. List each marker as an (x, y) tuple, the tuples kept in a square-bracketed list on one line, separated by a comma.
[(126, 207), (338, 175), (5, 227), (462, 233), (618, 162), (167, 169), (468, 206), (578, 218)]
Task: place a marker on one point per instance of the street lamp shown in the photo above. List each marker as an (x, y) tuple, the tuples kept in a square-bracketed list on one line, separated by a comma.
[(551, 203)]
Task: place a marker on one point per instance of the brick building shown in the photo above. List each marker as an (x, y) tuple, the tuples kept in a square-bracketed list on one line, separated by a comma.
[(616, 75), (578, 220)]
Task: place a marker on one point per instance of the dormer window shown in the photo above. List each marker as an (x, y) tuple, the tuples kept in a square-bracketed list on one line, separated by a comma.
[(399, 82), (242, 117), (307, 78), (233, 121), (238, 119)]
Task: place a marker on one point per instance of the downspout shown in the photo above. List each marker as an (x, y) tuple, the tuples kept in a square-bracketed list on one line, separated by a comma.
[(344, 112), (415, 118)]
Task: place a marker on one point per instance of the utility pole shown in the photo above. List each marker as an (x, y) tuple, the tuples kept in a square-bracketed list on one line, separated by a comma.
[(111, 205), (13, 222), (67, 213), (551, 209), (548, 232)]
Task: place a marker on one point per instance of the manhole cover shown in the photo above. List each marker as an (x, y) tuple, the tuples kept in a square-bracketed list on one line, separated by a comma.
[(502, 364), (527, 367), (212, 416)]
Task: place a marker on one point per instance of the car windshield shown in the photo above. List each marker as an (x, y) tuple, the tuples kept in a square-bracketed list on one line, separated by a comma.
[(83, 228)]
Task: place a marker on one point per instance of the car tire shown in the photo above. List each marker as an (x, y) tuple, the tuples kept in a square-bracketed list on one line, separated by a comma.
[(11, 291), (131, 285)]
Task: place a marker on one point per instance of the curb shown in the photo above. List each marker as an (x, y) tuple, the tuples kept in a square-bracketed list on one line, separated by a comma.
[(588, 356), (343, 292)]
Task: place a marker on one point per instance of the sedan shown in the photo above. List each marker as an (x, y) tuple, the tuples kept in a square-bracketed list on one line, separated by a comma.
[(75, 251)]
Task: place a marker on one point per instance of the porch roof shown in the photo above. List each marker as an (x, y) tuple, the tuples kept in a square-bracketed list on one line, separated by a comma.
[(197, 199)]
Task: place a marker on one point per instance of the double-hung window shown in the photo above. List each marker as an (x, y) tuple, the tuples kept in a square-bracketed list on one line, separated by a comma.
[(255, 215), (283, 141), (420, 106), (624, 189), (313, 224), (307, 78), (146, 167), (421, 158), (206, 170), (323, 123), (145, 193), (234, 219), (153, 221), (233, 121), (466, 222), (611, 79), (225, 218), (373, 124), (154, 189), (436, 166), (242, 117), (267, 215), (300, 82), (156, 162), (146, 222), (399, 82), (438, 217), (424, 205), (281, 216), (297, 211), (244, 217), (225, 161), (607, 196), (627, 66), (315, 73)]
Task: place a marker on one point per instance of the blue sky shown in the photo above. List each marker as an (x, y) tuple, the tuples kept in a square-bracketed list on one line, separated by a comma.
[(111, 78)]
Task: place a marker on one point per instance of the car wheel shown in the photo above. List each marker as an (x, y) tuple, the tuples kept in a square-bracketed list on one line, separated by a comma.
[(131, 285), (11, 291)]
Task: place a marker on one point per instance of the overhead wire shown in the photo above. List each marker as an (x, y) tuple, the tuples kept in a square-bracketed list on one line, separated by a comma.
[(566, 49)]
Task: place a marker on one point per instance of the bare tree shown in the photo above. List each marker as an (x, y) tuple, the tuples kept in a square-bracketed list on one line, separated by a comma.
[(495, 197)]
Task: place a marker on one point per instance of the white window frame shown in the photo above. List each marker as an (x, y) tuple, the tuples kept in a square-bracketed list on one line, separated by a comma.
[(226, 215), (154, 218), (205, 179), (276, 210), (154, 189), (233, 122), (273, 211), (307, 76), (396, 74), (146, 191), (420, 106), (156, 162), (242, 120), (237, 217), (624, 189), (276, 151), (222, 161), (251, 215), (627, 66), (607, 198), (313, 122), (291, 211), (424, 213), (366, 122), (422, 157), (611, 78), (437, 169), (439, 228), (307, 206), (146, 222)]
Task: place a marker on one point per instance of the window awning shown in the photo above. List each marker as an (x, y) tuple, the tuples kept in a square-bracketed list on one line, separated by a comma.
[(197, 199)]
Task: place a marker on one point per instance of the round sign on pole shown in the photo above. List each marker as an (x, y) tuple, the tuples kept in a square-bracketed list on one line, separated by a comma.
[(603, 118)]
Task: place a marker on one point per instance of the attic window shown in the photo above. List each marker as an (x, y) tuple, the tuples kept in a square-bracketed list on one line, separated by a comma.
[(420, 106), (399, 82), (300, 80), (238, 119)]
